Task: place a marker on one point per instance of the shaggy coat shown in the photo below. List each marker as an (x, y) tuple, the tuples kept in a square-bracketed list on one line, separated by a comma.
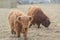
[(19, 23), (38, 16)]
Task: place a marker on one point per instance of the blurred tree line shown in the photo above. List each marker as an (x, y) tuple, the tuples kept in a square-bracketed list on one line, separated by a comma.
[(13, 3), (37, 1)]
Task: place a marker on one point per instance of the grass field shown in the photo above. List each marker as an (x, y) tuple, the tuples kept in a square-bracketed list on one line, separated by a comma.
[(53, 33)]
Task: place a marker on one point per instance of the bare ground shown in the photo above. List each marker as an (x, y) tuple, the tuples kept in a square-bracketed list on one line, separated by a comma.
[(53, 33)]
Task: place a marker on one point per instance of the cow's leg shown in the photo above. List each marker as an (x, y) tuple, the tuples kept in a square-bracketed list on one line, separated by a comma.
[(30, 25), (12, 31), (25, 36), (12, 27), (38, 25), (17, 33)]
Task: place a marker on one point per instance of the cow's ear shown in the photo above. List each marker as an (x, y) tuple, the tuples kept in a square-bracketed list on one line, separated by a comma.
[(30, 18), (19, 18)]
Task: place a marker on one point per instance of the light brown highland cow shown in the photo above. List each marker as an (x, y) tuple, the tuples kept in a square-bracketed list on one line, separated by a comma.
[(19, 23)]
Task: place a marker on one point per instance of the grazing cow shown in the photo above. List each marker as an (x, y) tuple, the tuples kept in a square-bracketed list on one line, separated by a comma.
[(19, 23), (38, 16)]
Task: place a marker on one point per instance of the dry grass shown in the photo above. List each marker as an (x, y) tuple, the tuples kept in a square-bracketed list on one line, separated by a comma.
[(53, 33)]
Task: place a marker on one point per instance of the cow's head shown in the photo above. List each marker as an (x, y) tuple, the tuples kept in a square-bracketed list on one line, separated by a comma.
[(46, 22), (24, 21)]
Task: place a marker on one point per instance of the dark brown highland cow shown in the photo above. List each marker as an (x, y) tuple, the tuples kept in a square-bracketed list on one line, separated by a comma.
[(19, 23), (38, 16)]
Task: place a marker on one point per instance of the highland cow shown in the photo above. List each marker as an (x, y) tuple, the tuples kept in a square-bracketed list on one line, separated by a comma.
[(38, 16), (19, 23)]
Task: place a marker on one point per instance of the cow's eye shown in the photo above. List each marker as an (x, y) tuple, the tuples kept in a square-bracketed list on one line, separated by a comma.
[(25, 29)]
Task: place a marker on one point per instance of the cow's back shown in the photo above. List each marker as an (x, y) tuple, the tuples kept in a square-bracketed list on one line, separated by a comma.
[(13, 14)]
